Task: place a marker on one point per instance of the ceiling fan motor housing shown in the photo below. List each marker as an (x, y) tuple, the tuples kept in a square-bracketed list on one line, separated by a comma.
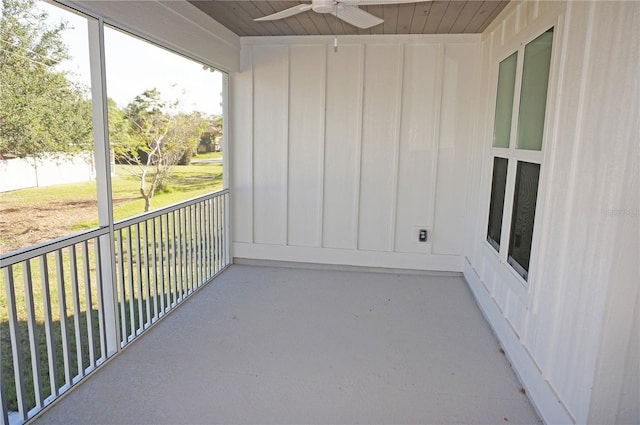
[(323, 6)]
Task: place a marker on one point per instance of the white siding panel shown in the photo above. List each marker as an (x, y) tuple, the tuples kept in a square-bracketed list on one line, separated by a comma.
[(416, 166), (270, 118), (456, 133), (342, 146), (379, 142), (572, 322), (306, 138), (240, 149)]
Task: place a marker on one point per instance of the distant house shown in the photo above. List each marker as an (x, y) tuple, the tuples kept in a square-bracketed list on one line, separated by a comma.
[(210, 142)]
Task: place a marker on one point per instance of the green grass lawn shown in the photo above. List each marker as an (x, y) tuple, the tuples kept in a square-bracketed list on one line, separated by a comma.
[(187, 181), (203, 176)]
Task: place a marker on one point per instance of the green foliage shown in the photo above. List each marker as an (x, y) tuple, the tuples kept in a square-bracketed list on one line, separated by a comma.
[(212, 132), (119, 128), (186, 157), (156, 139), (41, 111)]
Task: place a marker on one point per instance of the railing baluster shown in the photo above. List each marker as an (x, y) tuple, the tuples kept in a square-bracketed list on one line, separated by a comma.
[(221, 227), (164, 274), (214, 224), (172, 278), (140, 326), (132, 315), (121, 279), (219, 235), (88, 302), (197, 281), (225, 228), (187, 249), (33, 335), (205, 241), (196, 247), (154, 273), (147, 284), (186, 244), (201, 245), (48, 324), (101, 326), (210, 237), (16, 350), (174, 266), (161, 254), (76, 307), (192, 249), (205, 237), (179, 259), (62, 301), (216, 233), (4, 411)]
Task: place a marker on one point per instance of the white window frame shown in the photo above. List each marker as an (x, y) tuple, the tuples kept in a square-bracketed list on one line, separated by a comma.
[(514, 155)]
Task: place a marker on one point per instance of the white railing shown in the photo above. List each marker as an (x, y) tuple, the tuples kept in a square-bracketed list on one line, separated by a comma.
[(59, 313)]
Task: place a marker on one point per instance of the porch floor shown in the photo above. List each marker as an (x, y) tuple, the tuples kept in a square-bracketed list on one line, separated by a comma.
[(286, 345)]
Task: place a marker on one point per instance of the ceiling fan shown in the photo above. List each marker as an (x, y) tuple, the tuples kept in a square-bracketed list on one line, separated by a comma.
[(347, 10)]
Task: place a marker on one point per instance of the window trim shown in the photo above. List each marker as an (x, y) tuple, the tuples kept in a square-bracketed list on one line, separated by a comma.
[(514, 155)]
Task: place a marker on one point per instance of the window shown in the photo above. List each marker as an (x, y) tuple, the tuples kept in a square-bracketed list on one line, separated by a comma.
[(517, 151), (165, 125), (47, 165), (498, 187)]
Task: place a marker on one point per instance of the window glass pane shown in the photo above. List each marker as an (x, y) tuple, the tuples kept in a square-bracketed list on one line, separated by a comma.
[(47, 175), (504, 101), (496, 206), (165, 125), (524, 208), (533, 97)]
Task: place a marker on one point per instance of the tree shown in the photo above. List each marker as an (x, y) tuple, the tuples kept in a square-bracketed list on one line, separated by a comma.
[(188, 128), (156, 140), (41, 111), (212, 134)]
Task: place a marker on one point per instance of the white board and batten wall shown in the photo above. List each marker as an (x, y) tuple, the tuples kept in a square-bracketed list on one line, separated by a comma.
[(341, 157), (571, 331)]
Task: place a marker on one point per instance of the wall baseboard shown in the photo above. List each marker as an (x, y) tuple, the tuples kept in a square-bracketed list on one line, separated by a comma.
[(345, 257), (337, 267), (544, 399)]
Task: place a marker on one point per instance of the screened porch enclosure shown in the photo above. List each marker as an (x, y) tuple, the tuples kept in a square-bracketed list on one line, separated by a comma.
[(522, 304)]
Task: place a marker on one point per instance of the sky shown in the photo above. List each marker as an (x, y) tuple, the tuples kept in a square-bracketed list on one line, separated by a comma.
[(134, 66)]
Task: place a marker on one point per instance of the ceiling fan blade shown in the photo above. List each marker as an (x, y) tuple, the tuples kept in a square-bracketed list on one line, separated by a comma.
[(356, 17), (378, 2), (285, 13)]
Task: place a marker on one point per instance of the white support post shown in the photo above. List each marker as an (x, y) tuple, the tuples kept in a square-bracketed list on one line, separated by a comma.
[(103, 183), (226, 183)]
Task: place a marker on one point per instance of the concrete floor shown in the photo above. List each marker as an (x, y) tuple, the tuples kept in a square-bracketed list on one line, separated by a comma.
[(280, 345)]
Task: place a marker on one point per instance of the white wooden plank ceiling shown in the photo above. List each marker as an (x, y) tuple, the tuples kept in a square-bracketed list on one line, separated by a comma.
[(433, 17)]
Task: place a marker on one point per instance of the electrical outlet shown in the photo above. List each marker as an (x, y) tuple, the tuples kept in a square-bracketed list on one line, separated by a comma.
[(422, 235)]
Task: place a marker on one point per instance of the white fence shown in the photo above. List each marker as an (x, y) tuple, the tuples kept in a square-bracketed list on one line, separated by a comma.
[(22, 173)]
